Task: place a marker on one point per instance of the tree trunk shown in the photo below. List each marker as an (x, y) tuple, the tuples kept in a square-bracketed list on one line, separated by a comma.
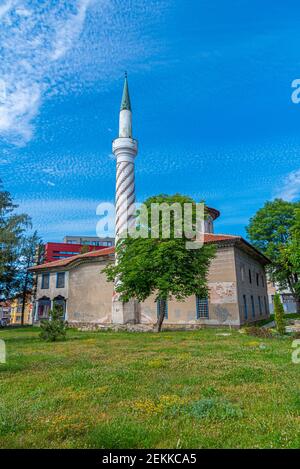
[(161, 316), (24, 298)]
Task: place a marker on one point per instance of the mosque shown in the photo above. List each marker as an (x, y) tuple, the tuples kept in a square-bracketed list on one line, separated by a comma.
[(236, 280)]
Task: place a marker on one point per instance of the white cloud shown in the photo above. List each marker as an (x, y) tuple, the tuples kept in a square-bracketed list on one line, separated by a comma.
[(290, 189), (69, 31), (5, 7), (51, 48), (33, 39)]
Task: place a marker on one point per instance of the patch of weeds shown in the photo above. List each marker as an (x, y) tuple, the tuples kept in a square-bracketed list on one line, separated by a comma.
[(246, 375), (261, 332), (119, 434), (11, 421), (210, 391), (156, 363), (167, 405), (295, 404), (213, 409)]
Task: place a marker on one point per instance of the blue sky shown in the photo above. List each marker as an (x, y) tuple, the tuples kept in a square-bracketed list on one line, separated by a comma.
[(210, 85)]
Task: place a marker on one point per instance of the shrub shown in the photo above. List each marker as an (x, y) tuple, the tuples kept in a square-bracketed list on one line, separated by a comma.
[(53, 329), (214, 409), (261, 332), (279, 314)]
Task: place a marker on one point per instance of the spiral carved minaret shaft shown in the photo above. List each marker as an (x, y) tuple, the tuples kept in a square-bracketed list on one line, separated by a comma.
[(125, 150)]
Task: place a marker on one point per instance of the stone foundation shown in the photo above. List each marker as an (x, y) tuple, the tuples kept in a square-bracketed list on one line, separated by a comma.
[(85, 327)]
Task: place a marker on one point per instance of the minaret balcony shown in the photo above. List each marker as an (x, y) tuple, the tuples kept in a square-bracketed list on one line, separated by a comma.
[(125, 146)]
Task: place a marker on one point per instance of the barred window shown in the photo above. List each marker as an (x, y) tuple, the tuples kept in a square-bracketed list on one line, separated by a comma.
[(159, 305), (45, 281), (260, 307), (245, 307), (253, 307), (60, 280), (202, 308), (266, 308)]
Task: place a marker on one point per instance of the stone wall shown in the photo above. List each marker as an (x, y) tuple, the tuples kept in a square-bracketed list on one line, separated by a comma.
[(90, 295), (52, 292), (223, 308), (244, 263)]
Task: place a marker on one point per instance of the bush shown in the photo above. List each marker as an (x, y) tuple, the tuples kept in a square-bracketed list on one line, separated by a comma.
[(214, 409), (279, 314), (53, 329), (261, 332)]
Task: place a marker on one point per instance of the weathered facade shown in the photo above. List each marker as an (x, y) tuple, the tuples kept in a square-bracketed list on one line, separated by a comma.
[(236, 280)]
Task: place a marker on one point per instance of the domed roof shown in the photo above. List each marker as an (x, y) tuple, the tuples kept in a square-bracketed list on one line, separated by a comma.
[(213, 212)]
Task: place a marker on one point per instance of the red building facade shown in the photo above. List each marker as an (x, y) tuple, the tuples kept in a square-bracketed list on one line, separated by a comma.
[(56, 251)]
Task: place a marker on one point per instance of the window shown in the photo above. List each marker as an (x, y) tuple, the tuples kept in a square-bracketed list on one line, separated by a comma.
[(44, 306), (257, 279), (266, 308), (242, 273), (253, 307), (202, 308), (245, 307), (45, 281), (59, 303), (159, 305), (262, 280), (250, 278), (60, 280), (259, 304)]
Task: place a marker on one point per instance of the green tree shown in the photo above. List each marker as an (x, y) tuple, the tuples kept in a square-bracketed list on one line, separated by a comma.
[(291, 253), (53, 329), (12, 227), (270, 231), (28, 253), (161, 266), (279, 314)]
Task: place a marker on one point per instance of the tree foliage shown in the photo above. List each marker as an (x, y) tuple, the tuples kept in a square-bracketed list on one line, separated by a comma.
[(279, 314), (12, 228), (161, 266), (291, 253), (53, 329), (271, 231), (27, 256)]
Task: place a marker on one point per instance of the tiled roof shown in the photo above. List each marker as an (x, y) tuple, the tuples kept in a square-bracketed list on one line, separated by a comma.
[(214, 238), (69, 260), (208, 238)]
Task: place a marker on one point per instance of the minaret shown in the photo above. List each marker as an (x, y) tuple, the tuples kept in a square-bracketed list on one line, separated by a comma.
[(125, 150)]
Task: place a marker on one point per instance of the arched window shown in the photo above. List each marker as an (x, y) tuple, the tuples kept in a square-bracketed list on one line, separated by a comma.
[(44, 306), (59, 303)]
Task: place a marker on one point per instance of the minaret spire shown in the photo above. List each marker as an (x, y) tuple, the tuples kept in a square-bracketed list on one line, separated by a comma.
[(125, 150), (125, 122), (125, 103)]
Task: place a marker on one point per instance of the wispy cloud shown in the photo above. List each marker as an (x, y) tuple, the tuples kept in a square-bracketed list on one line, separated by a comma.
[(290, 189), (34, 37), (52, 48)]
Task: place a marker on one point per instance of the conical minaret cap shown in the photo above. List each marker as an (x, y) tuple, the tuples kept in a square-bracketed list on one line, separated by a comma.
[(125, 103)]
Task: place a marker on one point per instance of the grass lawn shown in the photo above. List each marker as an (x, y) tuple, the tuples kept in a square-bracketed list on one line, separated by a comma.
[(143, 390)]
